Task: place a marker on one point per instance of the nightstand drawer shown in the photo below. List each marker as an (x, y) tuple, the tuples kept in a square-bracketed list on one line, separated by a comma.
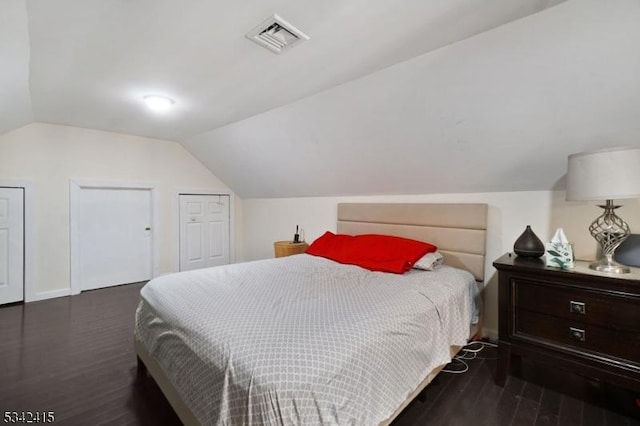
[(586, 306), (564, 332)]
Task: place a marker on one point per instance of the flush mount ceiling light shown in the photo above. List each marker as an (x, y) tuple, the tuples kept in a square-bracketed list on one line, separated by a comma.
[(158, 103), (276, 34)]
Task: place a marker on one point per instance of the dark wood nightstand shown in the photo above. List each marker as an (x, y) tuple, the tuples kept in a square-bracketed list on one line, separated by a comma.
[(580, 320)]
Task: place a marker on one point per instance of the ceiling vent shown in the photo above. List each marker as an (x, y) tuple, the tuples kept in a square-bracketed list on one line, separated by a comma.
[(276, 34)]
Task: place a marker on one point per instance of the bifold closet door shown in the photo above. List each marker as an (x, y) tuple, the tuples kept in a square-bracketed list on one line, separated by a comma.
[(204, 231)]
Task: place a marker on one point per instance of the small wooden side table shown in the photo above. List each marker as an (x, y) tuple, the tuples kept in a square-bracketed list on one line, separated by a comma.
[(287, 248)]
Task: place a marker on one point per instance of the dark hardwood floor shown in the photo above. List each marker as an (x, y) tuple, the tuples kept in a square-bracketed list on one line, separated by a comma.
[(74, 356)]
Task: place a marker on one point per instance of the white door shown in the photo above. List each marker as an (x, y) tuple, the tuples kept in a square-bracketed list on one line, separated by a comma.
[(204, 231), (114, 236), (11, 245)]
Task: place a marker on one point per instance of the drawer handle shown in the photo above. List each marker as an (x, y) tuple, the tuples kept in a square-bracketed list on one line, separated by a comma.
[(577, 308), (578, 334)]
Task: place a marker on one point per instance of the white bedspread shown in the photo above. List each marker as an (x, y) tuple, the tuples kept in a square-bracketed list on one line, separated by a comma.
[(302, 339)]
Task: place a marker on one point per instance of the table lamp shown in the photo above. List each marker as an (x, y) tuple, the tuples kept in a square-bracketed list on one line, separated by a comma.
[(608, 174)]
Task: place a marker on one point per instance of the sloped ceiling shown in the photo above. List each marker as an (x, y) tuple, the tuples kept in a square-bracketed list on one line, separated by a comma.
[(15, 100), (91, 62), (494, 110)]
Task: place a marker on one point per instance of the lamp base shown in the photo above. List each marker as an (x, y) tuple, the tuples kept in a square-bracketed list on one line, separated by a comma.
[(609, 266), (610, 231)]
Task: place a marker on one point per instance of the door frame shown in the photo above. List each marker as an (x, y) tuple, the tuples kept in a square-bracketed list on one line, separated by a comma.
[(175, 220), (75, 187), (29, 236)]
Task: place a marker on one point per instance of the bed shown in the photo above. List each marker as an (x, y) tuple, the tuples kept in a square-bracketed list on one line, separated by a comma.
[(305, 340)]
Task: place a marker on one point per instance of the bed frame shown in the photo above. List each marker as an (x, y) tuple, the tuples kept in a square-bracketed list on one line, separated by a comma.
[(459, 231)]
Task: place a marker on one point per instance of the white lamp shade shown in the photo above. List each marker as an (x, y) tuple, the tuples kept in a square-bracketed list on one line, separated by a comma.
[(606, 174)]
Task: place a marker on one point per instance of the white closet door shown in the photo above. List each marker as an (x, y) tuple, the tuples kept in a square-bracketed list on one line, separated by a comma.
[(204, 231), (11, 245), (115, 236)]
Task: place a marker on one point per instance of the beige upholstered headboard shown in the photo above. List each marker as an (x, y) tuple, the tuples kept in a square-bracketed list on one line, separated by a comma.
[(459, 230)]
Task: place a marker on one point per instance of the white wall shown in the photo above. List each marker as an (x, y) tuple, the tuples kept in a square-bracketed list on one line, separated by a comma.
[(50, 155), (269, 220)]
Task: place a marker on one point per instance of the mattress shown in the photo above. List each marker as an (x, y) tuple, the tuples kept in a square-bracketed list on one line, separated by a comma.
[(302, 339)]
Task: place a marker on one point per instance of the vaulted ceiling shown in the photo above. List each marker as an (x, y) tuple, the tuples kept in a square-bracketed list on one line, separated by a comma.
[(387, 97)]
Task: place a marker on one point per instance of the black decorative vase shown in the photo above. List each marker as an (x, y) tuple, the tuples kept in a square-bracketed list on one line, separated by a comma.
[(528, 244)]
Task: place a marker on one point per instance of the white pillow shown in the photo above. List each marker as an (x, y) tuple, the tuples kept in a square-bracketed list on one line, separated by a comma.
[(429, 261)]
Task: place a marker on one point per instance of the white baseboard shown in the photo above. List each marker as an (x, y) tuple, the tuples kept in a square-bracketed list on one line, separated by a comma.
[(51, 294)]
